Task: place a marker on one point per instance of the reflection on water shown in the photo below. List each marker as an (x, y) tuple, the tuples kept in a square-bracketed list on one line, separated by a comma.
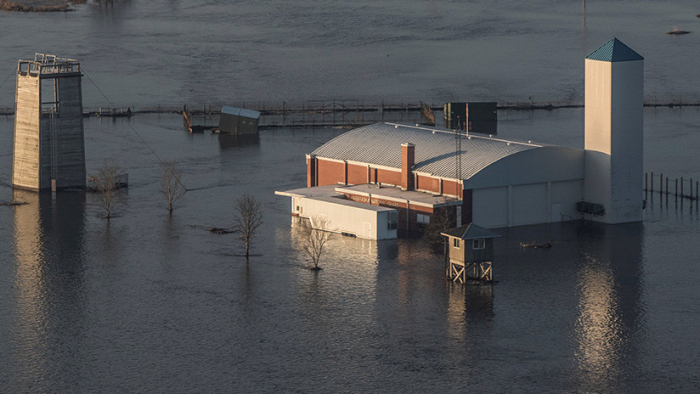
[(48, 237), (229, 141), (609, 305), (161, 305), (469, 306)]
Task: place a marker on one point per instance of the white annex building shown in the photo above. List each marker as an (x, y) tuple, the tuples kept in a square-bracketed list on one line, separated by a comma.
[(417, 171)]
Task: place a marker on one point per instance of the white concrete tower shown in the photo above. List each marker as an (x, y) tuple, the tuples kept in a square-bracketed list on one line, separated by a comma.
[(614, 132), (49, 151)]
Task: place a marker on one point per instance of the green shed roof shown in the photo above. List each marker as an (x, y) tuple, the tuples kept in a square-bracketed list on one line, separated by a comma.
[(614, 51)]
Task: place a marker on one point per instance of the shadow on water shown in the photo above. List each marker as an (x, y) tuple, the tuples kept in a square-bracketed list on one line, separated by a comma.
[(49, 268)]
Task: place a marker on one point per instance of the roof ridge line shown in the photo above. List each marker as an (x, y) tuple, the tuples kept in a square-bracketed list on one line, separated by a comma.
[(446, 131)]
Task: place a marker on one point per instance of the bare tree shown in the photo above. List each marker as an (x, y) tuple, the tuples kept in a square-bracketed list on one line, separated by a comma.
[(315, 233), (248, 219), (170, 184), (442, 220), (106, 182)]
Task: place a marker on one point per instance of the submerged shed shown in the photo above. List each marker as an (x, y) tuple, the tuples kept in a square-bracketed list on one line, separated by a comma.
[(239, 121), (470, 250)]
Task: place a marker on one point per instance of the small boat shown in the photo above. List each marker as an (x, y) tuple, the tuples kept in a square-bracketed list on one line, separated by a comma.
[(677, 32)]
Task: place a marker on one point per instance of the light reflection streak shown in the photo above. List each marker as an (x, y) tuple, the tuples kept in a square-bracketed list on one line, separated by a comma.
[(48, 281), (31, 307), (609, 305), (598, 324)]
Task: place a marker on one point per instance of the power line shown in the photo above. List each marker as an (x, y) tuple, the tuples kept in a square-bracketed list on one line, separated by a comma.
[(12, 72), (129, 124)]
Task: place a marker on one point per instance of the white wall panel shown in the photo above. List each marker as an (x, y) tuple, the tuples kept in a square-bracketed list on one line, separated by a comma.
[(529, 204), (490, 207)]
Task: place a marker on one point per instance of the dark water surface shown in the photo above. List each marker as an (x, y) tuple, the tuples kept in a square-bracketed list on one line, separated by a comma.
[(170, 52), (148, 303)]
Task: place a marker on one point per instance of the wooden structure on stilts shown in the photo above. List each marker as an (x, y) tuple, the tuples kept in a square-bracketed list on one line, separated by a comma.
[(469, 254)]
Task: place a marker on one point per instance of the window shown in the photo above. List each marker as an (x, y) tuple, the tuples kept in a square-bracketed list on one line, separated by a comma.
[(393, 220), (479, 243), (424, 219), (456, 243)]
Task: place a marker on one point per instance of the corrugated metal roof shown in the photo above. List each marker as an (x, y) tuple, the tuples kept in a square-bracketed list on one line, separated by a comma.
[(248, 113), (435, 151), (471, 231), (614, 51)]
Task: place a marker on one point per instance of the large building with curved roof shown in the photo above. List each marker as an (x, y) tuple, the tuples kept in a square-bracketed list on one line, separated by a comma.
[(427, 173)]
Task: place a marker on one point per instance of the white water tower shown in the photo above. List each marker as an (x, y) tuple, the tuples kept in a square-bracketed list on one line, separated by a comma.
[(614, 132)]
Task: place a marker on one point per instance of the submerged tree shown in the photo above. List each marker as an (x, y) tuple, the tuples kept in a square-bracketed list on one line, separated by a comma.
[(442, 220), (315, 233), (248, 219), (106, 183), (170, 184)]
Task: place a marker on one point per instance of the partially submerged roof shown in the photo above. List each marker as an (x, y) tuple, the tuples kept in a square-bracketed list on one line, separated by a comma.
[(414, 197), (470, 231), (328, 194), (380, 144), (614, 51), (248, 113)]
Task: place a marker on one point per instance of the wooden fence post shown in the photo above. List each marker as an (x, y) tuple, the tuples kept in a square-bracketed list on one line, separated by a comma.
[(690, 189)]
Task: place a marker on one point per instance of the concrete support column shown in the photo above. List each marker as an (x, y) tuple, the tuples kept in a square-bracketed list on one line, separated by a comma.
[(311, 168), (510, 205), (407, 162)]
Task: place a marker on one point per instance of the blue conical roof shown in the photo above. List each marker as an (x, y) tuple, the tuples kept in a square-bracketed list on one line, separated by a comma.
[(614, 51)]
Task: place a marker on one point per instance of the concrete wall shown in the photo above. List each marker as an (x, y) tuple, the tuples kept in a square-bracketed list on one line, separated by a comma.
[(614, 138), (25, 167), (68, 132), (48, 146)]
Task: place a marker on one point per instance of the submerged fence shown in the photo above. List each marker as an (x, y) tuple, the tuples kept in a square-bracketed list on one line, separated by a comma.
[(336, 112), (666, 186)]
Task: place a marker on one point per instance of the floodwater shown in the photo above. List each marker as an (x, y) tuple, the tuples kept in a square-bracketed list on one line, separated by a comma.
[(171, 52), (149, 302)]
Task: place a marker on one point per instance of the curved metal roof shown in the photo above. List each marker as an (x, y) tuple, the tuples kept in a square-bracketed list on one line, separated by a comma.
[(435, 151)]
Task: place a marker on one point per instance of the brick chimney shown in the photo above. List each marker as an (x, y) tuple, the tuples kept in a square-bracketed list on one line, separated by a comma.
[(408, 159)]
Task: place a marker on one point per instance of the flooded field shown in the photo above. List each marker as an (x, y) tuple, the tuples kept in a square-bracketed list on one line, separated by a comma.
[(152, 302), (170, 52), (147, 302)]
